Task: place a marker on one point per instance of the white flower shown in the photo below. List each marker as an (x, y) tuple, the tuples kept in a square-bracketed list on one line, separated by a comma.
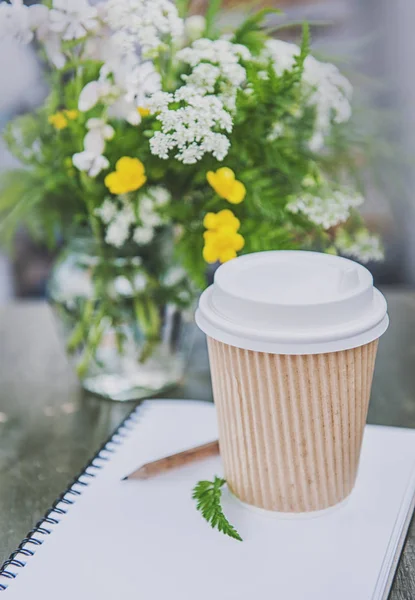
[(124, 43), (190, 154), (127, 213), (123, 286), (101, 47), (141, 83), (146, 203), (330, 94), (363, 246), (18, 21), (204, 76), (216, 63), (136, 83), (118, 230), (133, 86), (194, 26), (189, 93), (161, 195), (126, 111), (218, 52), (228, 98), (217, 144), (74, 19), (149, 202), (233, 74), (117, 233), (94, 92), (191, 129), (106, 131), (330, 87), (146, 23), (327, 211), (119, 219), (143, 235), (316, 142), (325, 88), (53, 47), (51, 41), (38, 14), (90, 96), (282, 53), (161, 144), (99, 132), (91, 159), (90, 162), (160, 101), (149, 218), (107, 211)]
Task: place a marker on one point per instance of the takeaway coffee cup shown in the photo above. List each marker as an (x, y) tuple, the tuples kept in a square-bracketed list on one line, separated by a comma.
[(292, 342)]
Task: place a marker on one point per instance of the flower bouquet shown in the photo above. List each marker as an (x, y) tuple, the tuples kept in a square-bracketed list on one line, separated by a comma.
[(166, 145)]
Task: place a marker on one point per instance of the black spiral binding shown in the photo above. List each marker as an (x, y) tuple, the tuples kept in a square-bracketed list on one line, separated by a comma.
[(15, 560)]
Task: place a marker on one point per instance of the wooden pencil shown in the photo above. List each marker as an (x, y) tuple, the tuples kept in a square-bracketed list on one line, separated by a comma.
[(175, 461)]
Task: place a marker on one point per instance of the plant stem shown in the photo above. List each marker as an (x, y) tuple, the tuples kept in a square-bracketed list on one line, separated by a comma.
[(93, 220)]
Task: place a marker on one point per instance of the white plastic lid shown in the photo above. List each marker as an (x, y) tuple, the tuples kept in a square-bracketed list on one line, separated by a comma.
[(293, 302)]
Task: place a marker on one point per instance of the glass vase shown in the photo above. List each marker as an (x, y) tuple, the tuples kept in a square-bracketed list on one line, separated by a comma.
[(126, 319)]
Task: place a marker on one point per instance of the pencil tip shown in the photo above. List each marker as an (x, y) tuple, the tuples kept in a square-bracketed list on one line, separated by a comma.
[(125, 478)]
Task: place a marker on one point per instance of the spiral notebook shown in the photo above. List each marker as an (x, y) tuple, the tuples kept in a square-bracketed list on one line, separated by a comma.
[(108, 539)]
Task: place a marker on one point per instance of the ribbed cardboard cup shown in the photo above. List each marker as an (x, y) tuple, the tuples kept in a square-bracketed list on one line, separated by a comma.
[(292, 343), (291, 427)]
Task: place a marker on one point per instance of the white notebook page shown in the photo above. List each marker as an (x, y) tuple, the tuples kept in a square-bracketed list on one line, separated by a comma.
[(145, 539)]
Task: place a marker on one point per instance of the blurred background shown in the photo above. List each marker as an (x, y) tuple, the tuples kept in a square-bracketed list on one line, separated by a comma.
[(372, 41)]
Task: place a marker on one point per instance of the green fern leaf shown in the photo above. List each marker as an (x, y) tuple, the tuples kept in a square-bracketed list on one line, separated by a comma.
[(208, 496)]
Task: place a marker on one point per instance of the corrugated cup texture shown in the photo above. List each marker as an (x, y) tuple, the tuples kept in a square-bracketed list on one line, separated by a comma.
[(291, 427)]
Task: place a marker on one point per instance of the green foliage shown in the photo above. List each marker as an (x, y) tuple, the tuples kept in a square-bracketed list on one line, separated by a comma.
[(208, 497), (305, 46), (183, 7), (189, 251), (269, 153), (21, 194), (272, 171), (251, 32), (212, 11)]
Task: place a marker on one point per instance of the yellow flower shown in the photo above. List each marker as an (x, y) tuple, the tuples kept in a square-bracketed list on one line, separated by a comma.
[(222, 246), (224, 218), (129, 175), (226, 185), (58, 120), (143, 112), (222, 240), (71, 114)]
